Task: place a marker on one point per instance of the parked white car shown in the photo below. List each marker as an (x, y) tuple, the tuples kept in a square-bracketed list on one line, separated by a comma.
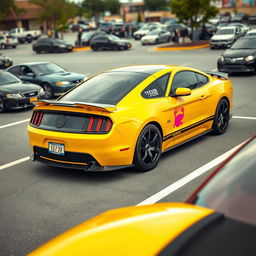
[(145, 30), (225, 37), (7, 41), (156, 36), (25, 35)]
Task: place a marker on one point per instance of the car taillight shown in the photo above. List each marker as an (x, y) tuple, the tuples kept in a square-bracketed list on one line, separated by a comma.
[(98, 125), (37, 118)]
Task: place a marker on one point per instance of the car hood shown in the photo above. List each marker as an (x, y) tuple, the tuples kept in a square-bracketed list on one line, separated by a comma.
[(126, 231), (239, 53), (19, 87), (151, 37), (222, 37), (67, 76)]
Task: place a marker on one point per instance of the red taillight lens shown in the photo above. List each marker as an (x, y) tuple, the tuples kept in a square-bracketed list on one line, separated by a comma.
[(98, 125), (37, 118)]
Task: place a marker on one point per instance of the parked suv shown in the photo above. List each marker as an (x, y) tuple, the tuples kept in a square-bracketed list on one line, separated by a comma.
[(240, 17), (225, 37), (8, 41)]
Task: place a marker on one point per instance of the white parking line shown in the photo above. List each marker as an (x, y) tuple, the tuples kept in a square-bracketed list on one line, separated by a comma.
[(244, 117), (24, 159), (15, 123), (183, 181)]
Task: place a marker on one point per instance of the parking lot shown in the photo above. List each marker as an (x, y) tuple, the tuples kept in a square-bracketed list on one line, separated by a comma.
[(38, 202)]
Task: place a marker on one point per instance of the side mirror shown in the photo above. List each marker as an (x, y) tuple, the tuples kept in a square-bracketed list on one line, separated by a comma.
[(182, 92)]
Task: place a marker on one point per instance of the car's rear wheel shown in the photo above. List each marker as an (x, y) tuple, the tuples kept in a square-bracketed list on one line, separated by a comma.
[(221, 118), (29, 38), (148, 149), (48, 91), (2, 105)]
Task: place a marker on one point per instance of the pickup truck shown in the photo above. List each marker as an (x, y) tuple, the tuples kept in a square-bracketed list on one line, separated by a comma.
[(25, 35)]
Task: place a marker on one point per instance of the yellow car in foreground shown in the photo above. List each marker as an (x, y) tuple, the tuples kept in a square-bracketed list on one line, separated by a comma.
[(176, 229), (128, 116)]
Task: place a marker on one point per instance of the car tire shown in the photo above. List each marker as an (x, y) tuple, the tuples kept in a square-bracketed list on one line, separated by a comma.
[(29, 38), (116, 48), (14, 46), (48, 91), (38, 50), (148, 149), (157, 41), (2, 105), (221, 117), (94, 48)]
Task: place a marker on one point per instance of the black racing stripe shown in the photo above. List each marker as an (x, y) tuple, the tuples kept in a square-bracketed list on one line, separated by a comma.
[(177, 244), (173, 134)]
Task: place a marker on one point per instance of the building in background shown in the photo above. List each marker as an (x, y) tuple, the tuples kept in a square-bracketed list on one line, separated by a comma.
[(27, 18)]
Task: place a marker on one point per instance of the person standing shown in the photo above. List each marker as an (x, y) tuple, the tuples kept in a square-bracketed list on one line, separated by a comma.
[(79, 36)]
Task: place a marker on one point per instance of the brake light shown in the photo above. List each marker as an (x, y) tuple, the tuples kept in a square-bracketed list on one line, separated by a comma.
[(37, 118), (98, 125)]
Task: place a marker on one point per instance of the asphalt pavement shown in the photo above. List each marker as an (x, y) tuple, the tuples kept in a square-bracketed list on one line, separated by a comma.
[(38, 202)]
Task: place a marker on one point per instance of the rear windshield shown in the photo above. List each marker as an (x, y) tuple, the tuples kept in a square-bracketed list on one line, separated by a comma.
[(106, 88), (227, 31)]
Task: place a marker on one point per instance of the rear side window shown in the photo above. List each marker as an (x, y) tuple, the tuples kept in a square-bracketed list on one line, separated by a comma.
[(157, 88), (106, 88), (184, 79), (202, 80)]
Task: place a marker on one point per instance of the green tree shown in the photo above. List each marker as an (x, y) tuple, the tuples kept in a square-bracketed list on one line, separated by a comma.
[(113, 6), (93, 7), (56, 13), (6, 6), (155, 5), (190, 11)]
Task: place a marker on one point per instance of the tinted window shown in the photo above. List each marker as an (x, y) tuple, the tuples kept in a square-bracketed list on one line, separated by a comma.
[(184, 79), (245, 43), (47, 68), (232, 191), (226, 31), (106, 88), (15, 70), (157, 88), (1, 37), (202, 80), (44, 40), (25, 70), (7, 78), (100, 38)]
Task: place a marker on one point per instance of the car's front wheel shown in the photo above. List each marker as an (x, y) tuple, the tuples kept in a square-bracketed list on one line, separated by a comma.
[(48, 91), (221, 118), (148, 149)]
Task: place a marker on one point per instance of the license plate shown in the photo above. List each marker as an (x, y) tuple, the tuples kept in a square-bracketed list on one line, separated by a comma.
[(55, 148)]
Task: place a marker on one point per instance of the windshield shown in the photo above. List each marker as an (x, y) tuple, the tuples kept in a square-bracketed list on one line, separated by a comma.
[(8, 78), (227, 31), (145, 27), (106, 88), (153, 33), (46, 69), (87, 35), (232, 191), (245, 43), (115, 38)]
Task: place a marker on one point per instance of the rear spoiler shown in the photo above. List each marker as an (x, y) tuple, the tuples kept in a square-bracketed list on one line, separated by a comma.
[(217, 74), (100, 107)]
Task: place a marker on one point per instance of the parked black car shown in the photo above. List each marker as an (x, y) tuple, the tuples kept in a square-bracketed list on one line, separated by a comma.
[(252, 19), (51, 45), (241, 57), (78, 26), (54, 79), (5, 61), (15, 94), (109, 42), (119, 30), (106, 27), (240, 17), (87, 37)]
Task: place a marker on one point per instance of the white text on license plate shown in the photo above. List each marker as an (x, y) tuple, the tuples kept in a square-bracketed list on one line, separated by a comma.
[(56, 148)]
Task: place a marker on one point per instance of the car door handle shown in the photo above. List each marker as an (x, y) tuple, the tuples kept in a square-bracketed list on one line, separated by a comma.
[(203, 96)]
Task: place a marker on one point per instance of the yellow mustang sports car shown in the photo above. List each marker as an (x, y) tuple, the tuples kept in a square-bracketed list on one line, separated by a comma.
[(128, 116)]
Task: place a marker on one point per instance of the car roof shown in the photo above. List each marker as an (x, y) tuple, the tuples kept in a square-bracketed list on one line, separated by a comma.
[(228, 27), (32, 63), (148, 69)]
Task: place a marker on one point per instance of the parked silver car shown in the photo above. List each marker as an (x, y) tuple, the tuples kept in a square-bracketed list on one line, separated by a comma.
[(156, 36), (8, 41), (225, 37)]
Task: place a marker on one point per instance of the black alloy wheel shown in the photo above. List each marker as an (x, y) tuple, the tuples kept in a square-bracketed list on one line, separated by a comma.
[(221, 118), (47, 90), (29, 38), (38, 50), (2, 105), (148, 149)]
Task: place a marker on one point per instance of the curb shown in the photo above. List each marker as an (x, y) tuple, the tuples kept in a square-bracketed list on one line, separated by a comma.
[(78, 49), (181, 48)]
